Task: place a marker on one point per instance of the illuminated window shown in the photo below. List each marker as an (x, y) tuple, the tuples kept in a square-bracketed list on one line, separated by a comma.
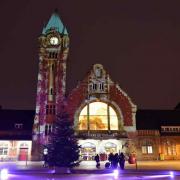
[(169, 147), (24, 145), (88, 151), (144, 150), (3, 149), (147, 147), (110, 147), (147, 150), (98, 116), (18, 125)]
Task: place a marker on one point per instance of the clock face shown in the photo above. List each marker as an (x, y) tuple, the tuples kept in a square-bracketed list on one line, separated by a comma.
[(54, 40)]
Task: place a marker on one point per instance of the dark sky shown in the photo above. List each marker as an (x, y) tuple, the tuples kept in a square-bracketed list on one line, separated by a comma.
[(138, 42)]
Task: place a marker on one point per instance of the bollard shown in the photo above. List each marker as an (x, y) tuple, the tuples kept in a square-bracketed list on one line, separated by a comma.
[(136, 164)]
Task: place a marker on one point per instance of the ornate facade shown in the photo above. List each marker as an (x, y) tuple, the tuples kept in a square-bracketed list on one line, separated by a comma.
[(103, 115), (101, 110), (51, 86)]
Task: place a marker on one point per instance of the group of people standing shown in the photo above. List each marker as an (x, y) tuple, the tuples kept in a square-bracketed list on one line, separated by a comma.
[(114, 160)]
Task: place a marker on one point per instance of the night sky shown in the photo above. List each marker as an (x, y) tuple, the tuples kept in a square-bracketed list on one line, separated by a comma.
[(138, 42)]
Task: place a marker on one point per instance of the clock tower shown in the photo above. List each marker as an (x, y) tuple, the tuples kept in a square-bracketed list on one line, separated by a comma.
[(51, 85)]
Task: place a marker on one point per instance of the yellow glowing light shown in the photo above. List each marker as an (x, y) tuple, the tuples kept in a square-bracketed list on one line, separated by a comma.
[(98, 117)]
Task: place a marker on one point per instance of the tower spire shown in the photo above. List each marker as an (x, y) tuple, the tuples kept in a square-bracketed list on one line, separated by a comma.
[(51, 86), (55, 23)]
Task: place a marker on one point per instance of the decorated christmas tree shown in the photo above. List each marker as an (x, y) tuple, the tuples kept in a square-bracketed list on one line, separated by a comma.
[(63, 149)]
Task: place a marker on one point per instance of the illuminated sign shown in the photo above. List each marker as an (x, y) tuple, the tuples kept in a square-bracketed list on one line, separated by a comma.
[(101, 135)]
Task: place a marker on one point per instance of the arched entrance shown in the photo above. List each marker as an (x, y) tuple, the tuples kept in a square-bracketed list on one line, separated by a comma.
[(88, 151), (110, 148)]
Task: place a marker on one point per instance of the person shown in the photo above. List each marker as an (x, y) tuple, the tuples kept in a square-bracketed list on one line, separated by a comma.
[(96, 158), (121, 160), (45, 161), (110, 159), (107, 165), (45, 157), (115, 161)]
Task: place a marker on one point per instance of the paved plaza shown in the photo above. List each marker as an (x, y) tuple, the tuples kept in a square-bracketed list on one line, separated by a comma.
[(90, 177), (87, 171), (91, 165)]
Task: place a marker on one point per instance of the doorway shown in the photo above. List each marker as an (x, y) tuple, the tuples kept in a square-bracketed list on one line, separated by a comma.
[(88, 151)]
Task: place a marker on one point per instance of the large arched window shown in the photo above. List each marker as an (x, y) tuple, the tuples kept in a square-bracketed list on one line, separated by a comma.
[(98, 116)]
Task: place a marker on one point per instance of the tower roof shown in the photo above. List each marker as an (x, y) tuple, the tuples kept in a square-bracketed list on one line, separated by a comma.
[(55, 23)]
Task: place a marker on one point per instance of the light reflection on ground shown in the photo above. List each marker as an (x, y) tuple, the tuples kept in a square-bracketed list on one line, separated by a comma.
[(89, 177)]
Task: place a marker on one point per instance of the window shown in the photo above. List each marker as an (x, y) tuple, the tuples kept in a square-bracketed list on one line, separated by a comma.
[(97, 87), (52, 67), (51, 90), (147, 150), (88, 151), (150, 150), (3, 149), (169, 147), (48, 129), (18, 125), (144, 150), (170, 129), (147, 147), (53, 55), (98, 116), (94, 86), (50, 109), (98, 72), (23, 145), (110, 147), (101, 86)]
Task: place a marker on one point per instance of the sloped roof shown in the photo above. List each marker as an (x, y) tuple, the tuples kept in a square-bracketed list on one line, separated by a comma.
[(8, 119), (55, 23), (154, 119), (145, 120)]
